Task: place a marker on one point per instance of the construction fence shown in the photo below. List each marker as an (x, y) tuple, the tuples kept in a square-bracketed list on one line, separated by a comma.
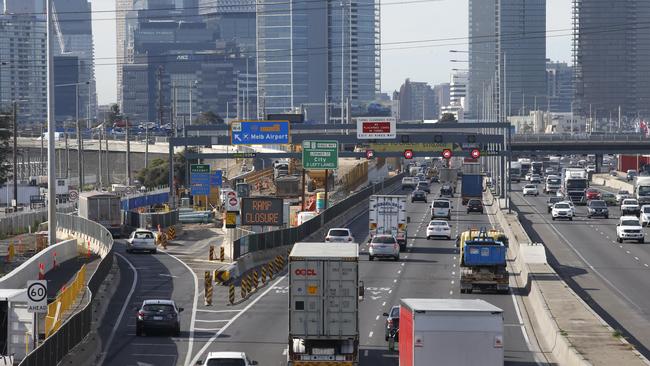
[(64, 301)]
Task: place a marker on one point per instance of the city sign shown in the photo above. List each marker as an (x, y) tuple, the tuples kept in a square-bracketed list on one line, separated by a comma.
[(263, 211), (376, 128), (475, 153), (37, 296), (320, 155), (259, 132), (446, 153), (200, 179), (408, 154), (216, 179)]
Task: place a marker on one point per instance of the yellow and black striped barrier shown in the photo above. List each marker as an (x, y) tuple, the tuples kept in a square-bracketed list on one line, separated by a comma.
[(255, 279), (211, 255), (264, 274), (171, 233), (271, 270), (208, 288), (221, 276), (242, 289), (222, 254), (231, 294)]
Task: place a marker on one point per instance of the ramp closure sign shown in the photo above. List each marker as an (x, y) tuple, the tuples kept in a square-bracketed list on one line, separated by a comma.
[(37, 296), (320, 155), (263, 211)]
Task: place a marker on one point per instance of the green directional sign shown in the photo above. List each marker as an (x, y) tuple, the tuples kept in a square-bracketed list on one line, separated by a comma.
[(320, 155), (200, 168)]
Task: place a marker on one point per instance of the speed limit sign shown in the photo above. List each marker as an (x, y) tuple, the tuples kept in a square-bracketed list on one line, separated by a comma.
[(37, 296)]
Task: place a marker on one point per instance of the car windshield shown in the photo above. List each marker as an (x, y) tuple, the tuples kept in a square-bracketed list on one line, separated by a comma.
[(623, 192), (530, 186), (561, 205), (338, 233), (598, 204), (629, 202), (555, 199), (553, 181), (441, 204), (630, 223), (158, 308), (423, 184), (143, 235), (474, 202), (646, 209), (226, 362), (394, 313), (383, 239), (438, 223)]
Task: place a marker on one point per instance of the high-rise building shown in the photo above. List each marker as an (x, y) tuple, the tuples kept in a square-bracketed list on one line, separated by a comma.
[(23, 66), (611, 57), (507, 49), (559, 86), (417, 101), (66, 74), (308, 55), (442, 94), (457, 96)]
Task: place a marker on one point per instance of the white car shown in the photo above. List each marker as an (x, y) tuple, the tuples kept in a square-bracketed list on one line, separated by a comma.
[(590, 168), (141, 240), (530, 190), (227, 358), (630, 206), (383, 246), (621, 195), (339, 234), (562, 210), (629, 228), (645, 215), (573, 207), (438, 228), (535, 178), (528, 176)]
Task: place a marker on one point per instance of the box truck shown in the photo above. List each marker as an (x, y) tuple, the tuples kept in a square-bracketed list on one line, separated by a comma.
[(445, 332), (103, 208), (471, 187), (324, 294), (387, 215)]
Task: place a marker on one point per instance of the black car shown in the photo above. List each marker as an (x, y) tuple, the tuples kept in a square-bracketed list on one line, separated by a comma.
[(392, 320), (446, 191), (158, 315), (423, 186), (551, 201), (597, 208), (474, 205), (418, 195), (435, 179)]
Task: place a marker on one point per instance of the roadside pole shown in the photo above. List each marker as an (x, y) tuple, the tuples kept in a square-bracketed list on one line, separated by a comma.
[(51, 148)]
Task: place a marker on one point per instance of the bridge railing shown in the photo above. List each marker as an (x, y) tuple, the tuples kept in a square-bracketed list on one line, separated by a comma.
[(78, 326), (580, 137)]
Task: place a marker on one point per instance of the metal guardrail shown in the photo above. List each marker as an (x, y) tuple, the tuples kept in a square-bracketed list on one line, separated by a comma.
[(579, 138), (277, 238), (77, 327)]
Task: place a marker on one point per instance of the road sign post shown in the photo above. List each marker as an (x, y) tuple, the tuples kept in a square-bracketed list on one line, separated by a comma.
[(320, 155), (37, 296)]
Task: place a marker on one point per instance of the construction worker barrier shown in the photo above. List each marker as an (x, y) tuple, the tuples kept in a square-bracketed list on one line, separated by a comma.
[(171, 233), (247, 283), (64, 300), (211, 255), (221, 276), (255, 279), (222, 254), (41, 271), (208, 288), (231, 294), (264, 274)]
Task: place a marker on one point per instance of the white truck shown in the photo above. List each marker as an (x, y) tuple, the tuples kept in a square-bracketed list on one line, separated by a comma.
[(459, 332), (552, 184), (449, 176), (387, 215), (575, 182), (642, 189), (324, 294), (104, 208)]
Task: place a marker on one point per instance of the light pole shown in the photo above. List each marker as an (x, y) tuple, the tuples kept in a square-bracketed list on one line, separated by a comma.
[(51, 148)]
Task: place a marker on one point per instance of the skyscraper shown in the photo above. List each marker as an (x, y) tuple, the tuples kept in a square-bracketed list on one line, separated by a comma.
[(482, 53), (611, 57), (417, 101), (559, 86)]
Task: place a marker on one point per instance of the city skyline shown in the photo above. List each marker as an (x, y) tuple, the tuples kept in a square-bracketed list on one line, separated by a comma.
[(429, 63)]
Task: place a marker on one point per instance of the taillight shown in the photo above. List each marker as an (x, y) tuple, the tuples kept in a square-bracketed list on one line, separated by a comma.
[(349, 239), (140, 315), (327, 239)]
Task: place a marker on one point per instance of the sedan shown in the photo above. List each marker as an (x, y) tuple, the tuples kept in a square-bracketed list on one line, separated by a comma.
[(474, 205), (593, 194), (597, 208), (535, 178), (562, 210), (621, 195), (158, 315), (384, 246), (609, 198), (438, 228), (530, 190), (339, 235), (419, 195)]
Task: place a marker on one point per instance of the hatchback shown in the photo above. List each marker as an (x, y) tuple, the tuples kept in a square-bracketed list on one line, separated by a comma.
[(474, 205), (418, 195), (158, 315), (383, 246), (593, 194), (339, 235)]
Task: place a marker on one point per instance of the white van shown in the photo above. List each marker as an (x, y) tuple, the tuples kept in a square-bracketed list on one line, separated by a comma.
[(441, 208)]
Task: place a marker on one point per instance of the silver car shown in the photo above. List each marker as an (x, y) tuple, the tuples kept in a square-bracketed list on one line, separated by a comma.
[(384, 246)]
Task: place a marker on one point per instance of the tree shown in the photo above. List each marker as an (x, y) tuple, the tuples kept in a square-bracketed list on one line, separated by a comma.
[(448, 117), (157, 174), (6, 149), (208, 118), (114, 114)]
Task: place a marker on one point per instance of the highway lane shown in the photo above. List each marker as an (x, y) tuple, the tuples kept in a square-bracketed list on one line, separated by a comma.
[(611, 277), (427, 269)]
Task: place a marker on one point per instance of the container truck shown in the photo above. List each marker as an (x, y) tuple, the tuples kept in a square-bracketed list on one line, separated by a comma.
[(525, 166), (537, 167), (471, 187), (515, 171), (324, 294), (471, 168), (103, 208), (642, 189), (458, 332), (483, 264), (387, 215), (574, 184)]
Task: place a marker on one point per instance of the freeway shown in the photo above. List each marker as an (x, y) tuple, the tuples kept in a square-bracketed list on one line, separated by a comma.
[(611, 277)]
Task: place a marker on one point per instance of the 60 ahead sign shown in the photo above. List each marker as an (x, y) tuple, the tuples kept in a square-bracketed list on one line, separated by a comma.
[(37, 296), (320, 155)]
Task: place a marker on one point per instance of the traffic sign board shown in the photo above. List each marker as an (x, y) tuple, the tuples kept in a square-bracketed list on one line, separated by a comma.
[(446, 153), (475, 153), (370, 154), (216, 179), (73, 196), (376, 128), (320, 155), (232, 201), (37, 296), (200, 179), (408, 154), (259, 132)]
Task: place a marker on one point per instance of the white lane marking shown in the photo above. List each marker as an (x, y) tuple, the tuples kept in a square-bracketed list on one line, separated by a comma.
[(383, 304), (451, 292), (377, 318), (218, 311), (452, 282), (390, 291), (213, 321), (152, 354), (403, 263), (453, 273), (637, 258), (223, 329), (190, 344), (645, 264), (370, 334), (400, 271), (284, 352), (395, 280), (207, 329), (126, 303)]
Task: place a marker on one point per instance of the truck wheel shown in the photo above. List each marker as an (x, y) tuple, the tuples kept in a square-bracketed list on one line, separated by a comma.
[(396, 258), (619, 240), (570, 218), (553, 218), (370, 258), (462, 291)]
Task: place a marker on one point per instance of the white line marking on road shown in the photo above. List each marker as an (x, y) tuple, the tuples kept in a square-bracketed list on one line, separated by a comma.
[(370, 334), (400, 271), (207, 329), (453, 273), (403, 263), (190, 344), (218, 311), (637, 258), (152, 354), (645, 264), (390, 291), (213, 321), (377, 318), (627, 251), (383, 304), (452, 282), (223, 329), (126, 303), (451, 292), (395, 280)]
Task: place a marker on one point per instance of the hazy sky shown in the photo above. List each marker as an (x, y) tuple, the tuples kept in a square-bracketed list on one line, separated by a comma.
[(424, 20)]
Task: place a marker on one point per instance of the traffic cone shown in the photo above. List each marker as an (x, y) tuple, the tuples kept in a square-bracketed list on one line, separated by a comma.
[(41, 271)]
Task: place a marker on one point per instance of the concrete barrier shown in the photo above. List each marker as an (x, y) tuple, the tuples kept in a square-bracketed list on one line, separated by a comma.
[(65, 250), (612, 182), (564, 324)]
